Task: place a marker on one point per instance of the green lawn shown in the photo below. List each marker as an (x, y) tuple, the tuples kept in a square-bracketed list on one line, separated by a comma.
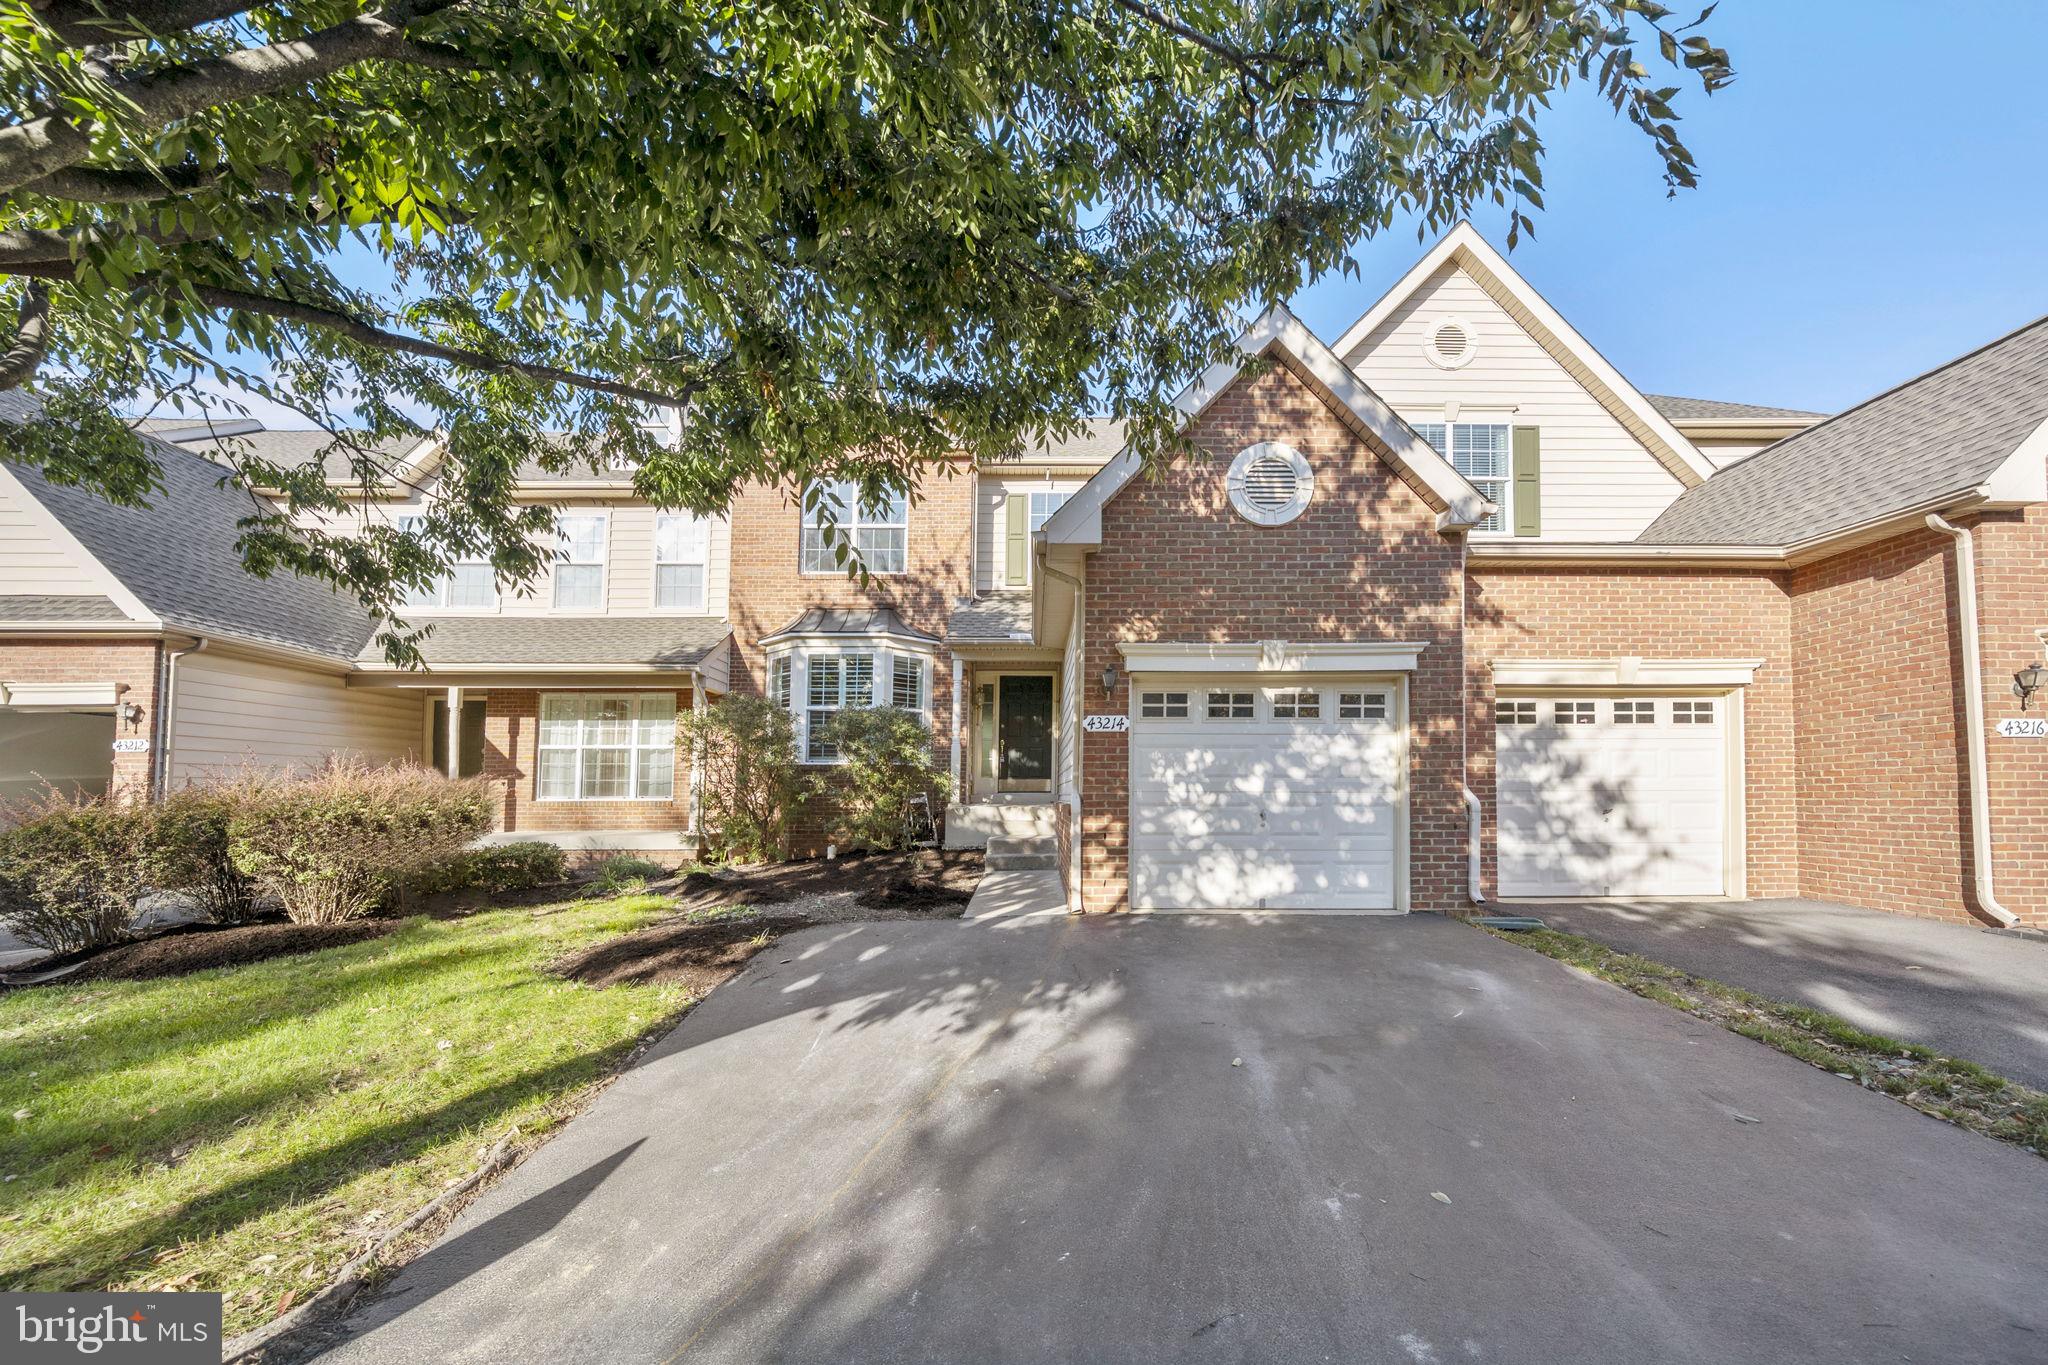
[(247, 1130)]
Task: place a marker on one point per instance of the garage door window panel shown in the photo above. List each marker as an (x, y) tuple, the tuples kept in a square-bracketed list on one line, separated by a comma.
[(1231, 706), (1297, 704), (1361, 706), (1163, 705)]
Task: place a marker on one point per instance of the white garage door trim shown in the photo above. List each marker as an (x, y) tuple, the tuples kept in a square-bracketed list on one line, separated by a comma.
[(1734, 841), (1384, 747)]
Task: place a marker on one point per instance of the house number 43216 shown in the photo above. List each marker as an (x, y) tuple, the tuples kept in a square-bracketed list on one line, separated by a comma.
[(2024, 727)]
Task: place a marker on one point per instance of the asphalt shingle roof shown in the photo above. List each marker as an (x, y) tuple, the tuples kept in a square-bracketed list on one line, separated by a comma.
[(1942, 433), (992, 618), (178, 554), (1714, 410), (37, 607), (296, 449), (652, 641)]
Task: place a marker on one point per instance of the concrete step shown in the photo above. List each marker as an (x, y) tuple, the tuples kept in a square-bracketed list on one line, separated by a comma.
[(998, 862), (1009, 843), (972, 825)]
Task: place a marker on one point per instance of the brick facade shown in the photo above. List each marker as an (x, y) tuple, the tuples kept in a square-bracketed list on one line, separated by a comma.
[(511, 741), (1364, 562), (769, 590), (128, 664), (1606, 613)]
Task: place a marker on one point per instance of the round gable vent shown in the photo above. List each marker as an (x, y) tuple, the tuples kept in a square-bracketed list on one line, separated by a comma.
[(1270, 483), (1449, 343)]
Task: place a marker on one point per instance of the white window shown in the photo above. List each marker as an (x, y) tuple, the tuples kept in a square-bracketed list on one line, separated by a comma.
[(1230, 706), (1361, 706), (835, 682), (906, 682), (1572, 712), (778, 681), (579, 561), (1692, 712), (1635, 713), (469, 582), (1295, 704), (1514, 713), (595, 747), (682, 553), (876, 534), (1043, 505), (1479, 451), (1163, 705)]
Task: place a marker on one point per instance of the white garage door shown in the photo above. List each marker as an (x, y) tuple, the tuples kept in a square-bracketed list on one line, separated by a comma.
[(1249, 795), (1612, 796)]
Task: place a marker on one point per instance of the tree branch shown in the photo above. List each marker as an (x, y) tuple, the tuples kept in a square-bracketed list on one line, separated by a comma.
[(35, 149), (31, 338), (98, 185), (82, 23)]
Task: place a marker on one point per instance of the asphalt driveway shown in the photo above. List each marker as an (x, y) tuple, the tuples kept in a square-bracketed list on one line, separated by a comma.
[(1219, 1140), (1974, 993)]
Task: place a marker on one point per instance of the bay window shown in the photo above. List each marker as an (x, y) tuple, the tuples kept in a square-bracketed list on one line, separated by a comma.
[(579, 561), (682, 552), (600, 747), (816, 682), (877, 533)]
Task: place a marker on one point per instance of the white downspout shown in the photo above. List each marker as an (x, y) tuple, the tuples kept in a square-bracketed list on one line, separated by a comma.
[(166, 699), (1472, 822), (1973, 716), (959, 783), (1474, 813)]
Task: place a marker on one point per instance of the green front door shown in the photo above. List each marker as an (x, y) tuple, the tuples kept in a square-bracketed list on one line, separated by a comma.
[(1025, 727)]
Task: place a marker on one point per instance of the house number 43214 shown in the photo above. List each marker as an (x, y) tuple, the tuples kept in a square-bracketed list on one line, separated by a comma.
[(2024, 727)]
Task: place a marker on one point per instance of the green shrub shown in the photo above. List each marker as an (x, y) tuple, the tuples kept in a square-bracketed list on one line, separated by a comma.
[(186, 849), (70, 869), (622, 872), (749, 781), (886, 764), (333, 846), (503, 867)]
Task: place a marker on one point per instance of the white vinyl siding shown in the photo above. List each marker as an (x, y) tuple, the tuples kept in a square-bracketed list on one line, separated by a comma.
[(596, 747), (991, 524), (629, 574), (231, 712), (1598, 481), (36, 560)]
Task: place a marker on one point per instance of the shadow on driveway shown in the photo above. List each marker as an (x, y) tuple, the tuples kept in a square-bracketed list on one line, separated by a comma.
[(1973, 993), (1202, 1139)]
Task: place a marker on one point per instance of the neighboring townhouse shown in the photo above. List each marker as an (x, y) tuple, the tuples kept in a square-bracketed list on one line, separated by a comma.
[(1447, 612)]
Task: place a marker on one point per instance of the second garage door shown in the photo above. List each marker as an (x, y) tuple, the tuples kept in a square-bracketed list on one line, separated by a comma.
[(1257, 796), (1612, 796)]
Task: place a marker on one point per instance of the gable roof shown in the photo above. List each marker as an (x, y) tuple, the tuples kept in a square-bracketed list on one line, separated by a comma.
[(1976, 425), (178, 555), (1708, 410), (1464, 247), (1079, 520), (552, 641)]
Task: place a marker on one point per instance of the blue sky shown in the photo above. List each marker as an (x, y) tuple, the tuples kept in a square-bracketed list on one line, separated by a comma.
[(1870, 205)]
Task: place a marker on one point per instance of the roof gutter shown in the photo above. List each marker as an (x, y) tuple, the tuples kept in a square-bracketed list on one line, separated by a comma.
[(1973, 712)]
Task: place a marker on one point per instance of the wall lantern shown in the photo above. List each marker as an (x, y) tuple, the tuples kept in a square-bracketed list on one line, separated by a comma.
[(2027, 682), (1109, 680)]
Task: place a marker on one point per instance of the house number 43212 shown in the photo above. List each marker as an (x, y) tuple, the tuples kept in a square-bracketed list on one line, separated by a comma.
[(2024, 727)]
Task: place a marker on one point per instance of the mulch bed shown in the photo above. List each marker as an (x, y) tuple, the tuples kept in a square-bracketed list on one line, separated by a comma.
[(198, 947), (922, 884), (698, 954)]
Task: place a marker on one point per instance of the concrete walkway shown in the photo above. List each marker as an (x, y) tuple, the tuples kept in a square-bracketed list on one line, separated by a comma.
[(1015, 894), (1208, 1139), (1978, 994)]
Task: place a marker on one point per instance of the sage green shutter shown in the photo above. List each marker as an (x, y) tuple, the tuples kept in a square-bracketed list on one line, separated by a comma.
[(1018, 538), (1528, 470)]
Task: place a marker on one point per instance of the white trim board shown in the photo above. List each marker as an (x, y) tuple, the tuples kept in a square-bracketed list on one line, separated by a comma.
[(1079, 521), (1464, 246), (1625, 671), (1273, 656)]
